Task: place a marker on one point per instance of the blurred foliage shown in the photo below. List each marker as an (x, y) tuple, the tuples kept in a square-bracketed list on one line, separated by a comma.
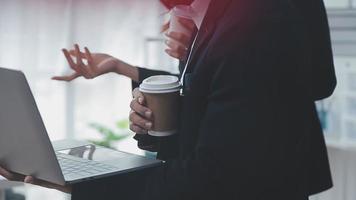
[(111, 136)]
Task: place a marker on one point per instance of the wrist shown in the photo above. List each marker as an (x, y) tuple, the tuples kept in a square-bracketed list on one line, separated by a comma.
[(125, 69), (118, 66)]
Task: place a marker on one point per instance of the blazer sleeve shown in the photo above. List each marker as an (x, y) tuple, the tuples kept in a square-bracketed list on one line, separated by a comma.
[(144, 73), (322, 64), (245, 131)]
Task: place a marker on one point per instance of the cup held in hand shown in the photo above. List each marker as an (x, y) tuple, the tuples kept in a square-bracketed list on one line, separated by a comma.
[(180, 11), (162, 97)]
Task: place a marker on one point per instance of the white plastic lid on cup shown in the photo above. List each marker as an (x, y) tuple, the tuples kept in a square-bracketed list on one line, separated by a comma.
[(160, 84)]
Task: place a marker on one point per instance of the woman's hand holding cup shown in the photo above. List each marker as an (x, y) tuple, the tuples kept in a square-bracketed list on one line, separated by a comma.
[(140, 115), (155, 106)]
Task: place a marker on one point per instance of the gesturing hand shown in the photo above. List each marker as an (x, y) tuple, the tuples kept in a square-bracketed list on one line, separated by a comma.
[(97, 64), (29, 179)]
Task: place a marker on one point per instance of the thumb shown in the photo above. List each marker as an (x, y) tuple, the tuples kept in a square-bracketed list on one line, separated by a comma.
[(138, 95), (34, 181), (29, 179)]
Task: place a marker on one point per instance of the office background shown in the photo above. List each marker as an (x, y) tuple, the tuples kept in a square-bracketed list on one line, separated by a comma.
[(32, 33)]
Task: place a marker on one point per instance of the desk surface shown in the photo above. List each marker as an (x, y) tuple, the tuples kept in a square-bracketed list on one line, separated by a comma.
[(341, 145), (31, 192), (4, 184)]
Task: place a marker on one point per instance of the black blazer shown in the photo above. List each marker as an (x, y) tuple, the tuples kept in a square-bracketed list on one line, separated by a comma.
[(248, 127)]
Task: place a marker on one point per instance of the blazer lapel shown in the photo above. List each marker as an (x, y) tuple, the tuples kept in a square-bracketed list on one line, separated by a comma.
[(215, 11)]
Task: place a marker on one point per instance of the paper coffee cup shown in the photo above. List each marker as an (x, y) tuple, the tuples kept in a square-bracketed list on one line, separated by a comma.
[(180, 11), (162, 97)]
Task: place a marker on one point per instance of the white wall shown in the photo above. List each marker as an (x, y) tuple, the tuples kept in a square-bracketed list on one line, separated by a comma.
[(341, 145)]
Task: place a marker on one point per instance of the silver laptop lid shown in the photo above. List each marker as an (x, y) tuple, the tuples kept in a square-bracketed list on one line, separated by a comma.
[(25, 147)]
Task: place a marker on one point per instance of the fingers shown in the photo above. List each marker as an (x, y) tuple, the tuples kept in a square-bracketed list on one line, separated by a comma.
[(165, 27), (175, 46), (78, 55), (139, 124), (138, 95), (72, 52), (29, 179), (140, 116), (10, 175), (34, 181), (66, 78), (188, 24), (70, 60), (179, 37), (88, 56), (175, 54), (6, 174), (136, 129), (80, 65), (140, 109), (176, 50), (88, 71), (138, 102), (178, 45)]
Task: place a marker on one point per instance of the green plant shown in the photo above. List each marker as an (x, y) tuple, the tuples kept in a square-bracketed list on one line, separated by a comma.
[(110, 136)]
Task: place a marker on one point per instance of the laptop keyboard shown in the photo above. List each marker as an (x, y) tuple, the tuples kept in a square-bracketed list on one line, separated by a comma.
[(75, 168)]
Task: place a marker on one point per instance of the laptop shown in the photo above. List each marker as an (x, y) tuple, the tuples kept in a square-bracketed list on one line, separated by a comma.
[(25, 147)]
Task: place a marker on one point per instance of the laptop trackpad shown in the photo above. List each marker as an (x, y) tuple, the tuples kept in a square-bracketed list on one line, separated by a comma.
[(96, 153)]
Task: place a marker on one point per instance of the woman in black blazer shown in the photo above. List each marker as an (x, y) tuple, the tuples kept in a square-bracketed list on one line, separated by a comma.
[(248, 126)]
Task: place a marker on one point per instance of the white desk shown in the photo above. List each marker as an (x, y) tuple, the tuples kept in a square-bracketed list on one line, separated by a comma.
[(6, 185), (342, 158), (31, 192)]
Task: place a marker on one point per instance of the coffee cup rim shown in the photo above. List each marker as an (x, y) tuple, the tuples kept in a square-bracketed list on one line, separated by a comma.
[(159, 91), (160, 84)]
